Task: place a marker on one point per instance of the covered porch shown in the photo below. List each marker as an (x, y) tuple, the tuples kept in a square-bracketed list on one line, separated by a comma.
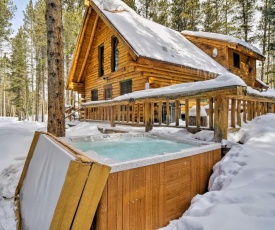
[(230, 103)]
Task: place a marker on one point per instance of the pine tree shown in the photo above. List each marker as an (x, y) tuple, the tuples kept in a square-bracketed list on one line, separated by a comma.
[(3, 84), (146, 8), (131, 3), (161, 13), (265, 35), (185, 14), (72, 19), (244, 18), (29, 18), (40, 44), (216, 16), (19, 83), (56, 106), (6, 14)]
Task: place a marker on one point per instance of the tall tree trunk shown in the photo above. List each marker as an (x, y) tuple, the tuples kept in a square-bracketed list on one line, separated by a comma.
[(56, 107), (264, 38), (43, 87), (37, 86)]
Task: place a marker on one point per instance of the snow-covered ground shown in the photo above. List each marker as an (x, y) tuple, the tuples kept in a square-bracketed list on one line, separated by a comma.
[(242, 188)]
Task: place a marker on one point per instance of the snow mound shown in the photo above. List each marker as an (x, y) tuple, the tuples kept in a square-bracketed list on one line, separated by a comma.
[(242, 187), (204, 135), (82, 129), (192, 111)]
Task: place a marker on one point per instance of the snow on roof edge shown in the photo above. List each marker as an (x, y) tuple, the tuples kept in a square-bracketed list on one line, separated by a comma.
[(223, 37), (113, 17), (262, 83), (192, 88)]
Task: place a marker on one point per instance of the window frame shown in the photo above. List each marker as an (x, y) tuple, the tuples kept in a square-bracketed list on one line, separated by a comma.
[(101, 60), (105, 88), (114, 57), (93, 97), (124, 88), (236, 60)]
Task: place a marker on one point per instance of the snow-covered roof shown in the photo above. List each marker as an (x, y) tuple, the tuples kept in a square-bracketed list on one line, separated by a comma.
[(223, 37), (152, 40), (225, 80), (262, 83)]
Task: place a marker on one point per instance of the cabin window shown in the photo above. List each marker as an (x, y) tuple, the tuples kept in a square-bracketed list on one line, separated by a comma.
[(94, 95), (107, 92), (114, 56), (125, 87), (236, 60), (101, 60)]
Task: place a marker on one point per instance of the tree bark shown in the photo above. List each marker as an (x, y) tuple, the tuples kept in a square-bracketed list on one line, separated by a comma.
[(56, 107)]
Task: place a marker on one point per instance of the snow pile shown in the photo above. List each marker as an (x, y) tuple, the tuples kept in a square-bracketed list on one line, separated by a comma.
[(242, 187), (222, 37), (82, 129), (204, 135), (193, 111), (268, 93)]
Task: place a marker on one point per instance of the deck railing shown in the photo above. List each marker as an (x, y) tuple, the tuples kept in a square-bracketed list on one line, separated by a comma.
[(228, 108)]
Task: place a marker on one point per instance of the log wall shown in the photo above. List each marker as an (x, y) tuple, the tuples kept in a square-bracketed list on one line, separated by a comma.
[(247, 70), (141, 71), (149, 197)]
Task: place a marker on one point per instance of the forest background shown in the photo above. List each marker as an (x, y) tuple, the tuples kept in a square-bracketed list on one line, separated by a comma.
[(23, 55)]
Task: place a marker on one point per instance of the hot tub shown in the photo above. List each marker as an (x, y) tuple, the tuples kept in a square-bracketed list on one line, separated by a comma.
[(147, 189)]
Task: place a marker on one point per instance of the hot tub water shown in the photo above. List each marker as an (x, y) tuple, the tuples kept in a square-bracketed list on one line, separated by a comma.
[(130, 148)]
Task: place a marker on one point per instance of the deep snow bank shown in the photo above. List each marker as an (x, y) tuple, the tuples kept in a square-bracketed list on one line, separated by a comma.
[(242, 188)]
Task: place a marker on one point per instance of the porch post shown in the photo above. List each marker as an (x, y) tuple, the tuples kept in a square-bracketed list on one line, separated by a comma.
[(221, 119)]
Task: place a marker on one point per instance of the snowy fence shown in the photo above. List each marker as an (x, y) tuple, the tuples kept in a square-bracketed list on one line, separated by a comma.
[(227, 107)]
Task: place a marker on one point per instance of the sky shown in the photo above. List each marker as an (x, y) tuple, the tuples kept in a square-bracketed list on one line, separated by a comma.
[(18, 16)]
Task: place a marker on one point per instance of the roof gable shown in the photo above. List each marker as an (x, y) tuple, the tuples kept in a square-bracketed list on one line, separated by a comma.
[(225, 38), (154, 41)]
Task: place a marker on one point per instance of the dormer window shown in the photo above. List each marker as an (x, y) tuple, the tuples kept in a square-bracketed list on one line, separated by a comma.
[(114, 56), (101, 60), (236, 60)]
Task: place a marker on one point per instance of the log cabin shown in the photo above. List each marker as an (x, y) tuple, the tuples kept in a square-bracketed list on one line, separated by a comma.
[(120, 52), (237, 56)]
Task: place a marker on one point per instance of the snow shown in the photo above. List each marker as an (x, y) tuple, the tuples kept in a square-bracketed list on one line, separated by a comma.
[(83, 128), (193, 111), (262, 83), (152, 40), (241, 189), (223, 80), (222, 37)]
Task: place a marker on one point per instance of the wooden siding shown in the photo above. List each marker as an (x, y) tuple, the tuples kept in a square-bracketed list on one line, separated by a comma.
[(249, 77), (208, 45), (103, 35), (151, 196), (141, 71), (225, 57)]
